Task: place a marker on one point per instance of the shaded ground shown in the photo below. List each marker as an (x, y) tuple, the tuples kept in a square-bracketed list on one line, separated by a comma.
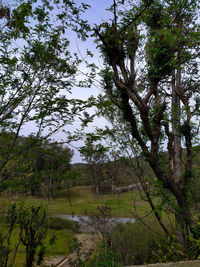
[(195, 263)]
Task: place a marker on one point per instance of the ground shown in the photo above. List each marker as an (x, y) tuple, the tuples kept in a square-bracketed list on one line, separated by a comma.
[(88, 240), (195, 263)]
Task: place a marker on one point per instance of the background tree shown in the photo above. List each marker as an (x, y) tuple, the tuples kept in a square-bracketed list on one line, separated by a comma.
[(57, 163), (40, 166), (69, 180), (95, 155)]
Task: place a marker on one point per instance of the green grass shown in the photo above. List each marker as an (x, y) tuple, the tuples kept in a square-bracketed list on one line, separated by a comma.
[(60, 247), (82, 199)]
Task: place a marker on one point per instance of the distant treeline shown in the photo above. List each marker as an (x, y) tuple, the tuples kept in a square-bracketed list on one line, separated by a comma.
[(41, 167), (35, 166)]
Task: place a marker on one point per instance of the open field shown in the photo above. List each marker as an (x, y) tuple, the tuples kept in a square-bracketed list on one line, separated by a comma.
[(82, 199)]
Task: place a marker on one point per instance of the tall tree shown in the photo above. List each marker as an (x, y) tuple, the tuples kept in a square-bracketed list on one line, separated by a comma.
[(37, 69), (151, 75)]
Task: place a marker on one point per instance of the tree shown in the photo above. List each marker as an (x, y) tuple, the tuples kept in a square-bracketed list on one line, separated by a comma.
[(56, 164), (32, 229), (69, 180), (37, 69), (10, 219), (95, 155), (151, 75), (17, 171), (32, 223), (42, 165)]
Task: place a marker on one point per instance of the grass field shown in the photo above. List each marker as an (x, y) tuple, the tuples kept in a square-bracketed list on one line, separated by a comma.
[(82, 199)]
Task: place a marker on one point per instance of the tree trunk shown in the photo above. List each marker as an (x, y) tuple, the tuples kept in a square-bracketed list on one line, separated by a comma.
[(30, 253), (176, 165), (69, 196)]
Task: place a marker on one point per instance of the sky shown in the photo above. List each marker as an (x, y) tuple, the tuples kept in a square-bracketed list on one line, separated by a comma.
[(95, 14)]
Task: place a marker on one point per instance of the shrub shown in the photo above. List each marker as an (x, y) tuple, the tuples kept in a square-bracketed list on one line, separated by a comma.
[(100, 258), (134, 242), (57, 223), (30, 223), (168, 250), (103, 256)]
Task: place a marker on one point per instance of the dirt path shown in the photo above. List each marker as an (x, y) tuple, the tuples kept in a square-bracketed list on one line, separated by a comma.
[(87, 239)]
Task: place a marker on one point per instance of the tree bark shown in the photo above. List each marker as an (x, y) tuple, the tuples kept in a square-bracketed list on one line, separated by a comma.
[(176, 168)]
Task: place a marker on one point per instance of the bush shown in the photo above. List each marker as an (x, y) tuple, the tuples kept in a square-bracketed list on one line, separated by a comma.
[(134, 242), (168, 250), (104, 257), (57, 223), (100, 258)]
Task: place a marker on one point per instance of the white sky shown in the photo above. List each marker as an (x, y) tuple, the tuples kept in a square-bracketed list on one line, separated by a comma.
[(96, 14)]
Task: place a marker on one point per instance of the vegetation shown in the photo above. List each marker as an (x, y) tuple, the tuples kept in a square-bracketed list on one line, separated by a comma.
[(40, 169), (84, 199), (144, 163), (57, 223), (27, 235), (31, 232), (151, 80)]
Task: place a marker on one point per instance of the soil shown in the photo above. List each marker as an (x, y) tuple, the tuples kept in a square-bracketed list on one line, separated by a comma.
[(87, 239)]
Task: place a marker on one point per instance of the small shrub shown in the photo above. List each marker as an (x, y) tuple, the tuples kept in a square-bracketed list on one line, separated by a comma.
[(104, 257), (134, 242), (57, 223), (30, 223), (167, 250), (81, 259), (193, 240), (101, 258)]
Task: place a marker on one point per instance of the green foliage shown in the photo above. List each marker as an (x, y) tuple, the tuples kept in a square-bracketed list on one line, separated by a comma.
[(134, 242), (31, 225), (193, 250), (4, 250), (100, 258), (18, 22), (168, 250), (105, 258), (161, 57), (154, 16), (38, 166), (81, 257)]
